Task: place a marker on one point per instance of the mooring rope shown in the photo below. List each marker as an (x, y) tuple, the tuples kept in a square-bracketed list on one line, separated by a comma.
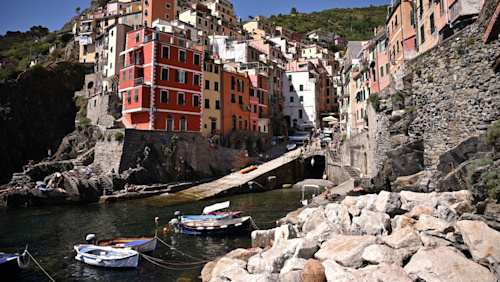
[(172, 248), (253, 224), (148, 258), (52, 279)]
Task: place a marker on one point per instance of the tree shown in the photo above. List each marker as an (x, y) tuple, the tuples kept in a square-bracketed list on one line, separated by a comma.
[(293, 11), (77, 10)]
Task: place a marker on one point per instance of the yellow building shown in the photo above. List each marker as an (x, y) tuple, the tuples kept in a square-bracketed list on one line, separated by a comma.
[(211, 110), (316, 51), (259, 27), (428, 14), (201, 18), (222, 9)]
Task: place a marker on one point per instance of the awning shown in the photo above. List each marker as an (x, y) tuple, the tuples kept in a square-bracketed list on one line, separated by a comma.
[(216, 207)]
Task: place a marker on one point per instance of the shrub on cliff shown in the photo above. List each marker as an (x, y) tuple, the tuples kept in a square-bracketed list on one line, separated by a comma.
[(118, 136), (492, 136), (374, 100)]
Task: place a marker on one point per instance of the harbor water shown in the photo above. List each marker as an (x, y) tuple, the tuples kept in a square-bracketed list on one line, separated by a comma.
[(51, 233)]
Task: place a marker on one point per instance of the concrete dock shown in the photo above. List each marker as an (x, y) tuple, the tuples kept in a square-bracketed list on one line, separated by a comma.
[(237, 180)]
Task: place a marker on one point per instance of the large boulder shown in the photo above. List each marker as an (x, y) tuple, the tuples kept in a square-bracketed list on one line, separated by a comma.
[(371, 223), (346, 250), (261, 277), (234, 265), (407, 160), (402, 221), (272, 260), (284, 232), (313, 271), (262, 238), (404, 239), (420, 209), (483, 242), (243, 254), (377, 254), (383, 272), (338, 214), (389, 203), (293, 264), (317, 217), (291, 276), (445, 264), (430, 223)]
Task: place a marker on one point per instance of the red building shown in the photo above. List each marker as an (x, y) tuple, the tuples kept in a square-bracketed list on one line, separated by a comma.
[(160, 82), (259, 103)]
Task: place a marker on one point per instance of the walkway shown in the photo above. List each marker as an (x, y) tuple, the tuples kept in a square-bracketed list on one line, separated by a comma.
[(236, 179)]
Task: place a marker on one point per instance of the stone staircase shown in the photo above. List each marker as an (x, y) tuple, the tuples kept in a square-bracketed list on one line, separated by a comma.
[(353, 173)]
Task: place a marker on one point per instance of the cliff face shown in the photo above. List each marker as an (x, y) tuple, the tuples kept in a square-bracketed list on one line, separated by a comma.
[(36, 112)]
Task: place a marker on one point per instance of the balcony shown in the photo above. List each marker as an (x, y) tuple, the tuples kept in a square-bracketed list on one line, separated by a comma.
[(131, 62), (86, 29), (138, 81)]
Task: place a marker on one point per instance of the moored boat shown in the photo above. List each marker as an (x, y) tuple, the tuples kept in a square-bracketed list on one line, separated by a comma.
[(142, 245), (13, 263), (106, 256), (212, 221)]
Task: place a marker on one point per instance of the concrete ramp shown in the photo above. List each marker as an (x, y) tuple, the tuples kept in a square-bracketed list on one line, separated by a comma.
[(236, 180)]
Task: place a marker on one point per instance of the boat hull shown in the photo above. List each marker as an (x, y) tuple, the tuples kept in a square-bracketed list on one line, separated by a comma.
[(106, 256), (142, 245), (12, 263), (215, 228)]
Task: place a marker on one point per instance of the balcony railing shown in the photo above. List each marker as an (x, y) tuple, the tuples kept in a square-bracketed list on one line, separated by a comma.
[(139, 81), (131, 62)]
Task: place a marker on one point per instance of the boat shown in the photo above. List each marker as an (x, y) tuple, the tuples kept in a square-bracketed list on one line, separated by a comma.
[(106, 256), (316, 192), (298, 137), (13, 263), (142, 245), (248, 169), (291, 146), (212, 221)]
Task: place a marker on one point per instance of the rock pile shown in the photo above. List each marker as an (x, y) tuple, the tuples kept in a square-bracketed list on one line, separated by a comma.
[(404, 236)]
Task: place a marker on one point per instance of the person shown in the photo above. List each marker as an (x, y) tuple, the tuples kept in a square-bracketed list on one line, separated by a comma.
[(49, 153)]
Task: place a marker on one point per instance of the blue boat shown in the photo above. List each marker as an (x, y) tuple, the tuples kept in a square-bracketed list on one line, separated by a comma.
[(211, 221), (13, 263)]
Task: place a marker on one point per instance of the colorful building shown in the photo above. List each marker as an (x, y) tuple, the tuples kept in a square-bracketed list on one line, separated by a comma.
[(158, 9), (235, 102), (212, 117), (160, 82)]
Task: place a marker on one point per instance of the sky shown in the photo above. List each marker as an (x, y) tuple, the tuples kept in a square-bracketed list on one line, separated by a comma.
[(20, 15)]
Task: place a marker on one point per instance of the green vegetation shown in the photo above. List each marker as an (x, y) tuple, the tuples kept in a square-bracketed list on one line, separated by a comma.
[(118, 135), (492, 180), (353, 24), (417, 70), (492, 135), (108, 138), (430, 79), (18, 49), (84, 121), (481, 161), (81, 103), (470, 42), (374, 100)]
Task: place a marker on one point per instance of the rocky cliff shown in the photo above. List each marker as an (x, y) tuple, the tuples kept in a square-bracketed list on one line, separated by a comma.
[(36, 112)]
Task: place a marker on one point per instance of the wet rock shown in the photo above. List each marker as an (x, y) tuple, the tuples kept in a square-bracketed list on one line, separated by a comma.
[(346, 250), (313, 271), (445, 264)]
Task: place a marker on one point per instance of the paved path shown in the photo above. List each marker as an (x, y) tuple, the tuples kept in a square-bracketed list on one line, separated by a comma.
[(236, 179)]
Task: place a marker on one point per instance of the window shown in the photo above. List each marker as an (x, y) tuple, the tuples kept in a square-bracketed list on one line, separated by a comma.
[(422, 34), (233, 83), (129, 97), (137, 36), (300, 113), (196, 79), (207, 104), (164, 96), (233, 122), (136, 96), (431, 20), (197, 59), (164, 74), (181, 76), (146, 12), (170, 123), (216, 86), (291, 88), (180, 98), (183, 123), (196, 101), (387, 68), (301, 87), (240, 100), (130, 74), (124, 76), (207, 84), (165, 52), (291, 99), (233, 98), (381, 71), (412, 18), (181, 42), (182, 56), (301, 98), (217, 105), (167, 16), (397, 46), (167, 5), (216, 69)]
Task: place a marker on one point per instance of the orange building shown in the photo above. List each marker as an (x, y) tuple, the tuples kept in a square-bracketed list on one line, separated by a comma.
[(235, 102), (158, 9), (160, 82), (259, 103), (401, 24)]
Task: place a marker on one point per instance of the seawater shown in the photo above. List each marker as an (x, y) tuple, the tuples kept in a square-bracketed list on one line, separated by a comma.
[(51, 233)]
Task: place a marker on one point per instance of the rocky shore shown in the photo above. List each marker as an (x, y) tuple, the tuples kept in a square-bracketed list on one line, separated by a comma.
[(405, 236)]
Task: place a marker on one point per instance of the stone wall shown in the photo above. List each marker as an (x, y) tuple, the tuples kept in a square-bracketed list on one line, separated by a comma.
[(146, 157), (355, 152), (455, 92)]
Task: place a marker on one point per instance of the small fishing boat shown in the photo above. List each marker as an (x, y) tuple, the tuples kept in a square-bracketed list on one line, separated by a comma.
[(13, 263), (291, 146), (106, 256), (248, 169), (212, 221), (142, 245)]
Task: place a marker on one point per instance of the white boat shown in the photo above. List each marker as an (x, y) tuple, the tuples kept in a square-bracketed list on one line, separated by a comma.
[(106, 256), (316, 192), (142, 245)]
